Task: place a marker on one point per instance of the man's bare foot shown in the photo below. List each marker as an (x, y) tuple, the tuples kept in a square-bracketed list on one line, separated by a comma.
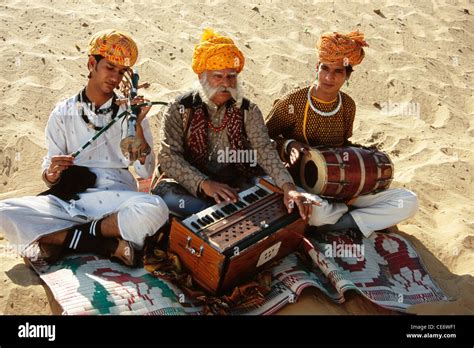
[(125, 253), (51, 253)]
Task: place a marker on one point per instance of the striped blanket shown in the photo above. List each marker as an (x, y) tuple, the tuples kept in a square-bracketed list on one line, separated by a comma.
[(385, 269)]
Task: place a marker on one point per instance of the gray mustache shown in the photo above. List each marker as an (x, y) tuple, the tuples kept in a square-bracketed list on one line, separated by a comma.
[(226, 89)]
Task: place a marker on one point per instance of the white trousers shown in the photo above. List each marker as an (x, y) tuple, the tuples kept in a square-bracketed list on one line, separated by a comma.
[(373, 212), (25, 220)]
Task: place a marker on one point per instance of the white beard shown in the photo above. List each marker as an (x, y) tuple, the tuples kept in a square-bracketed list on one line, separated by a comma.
[(207, 92)]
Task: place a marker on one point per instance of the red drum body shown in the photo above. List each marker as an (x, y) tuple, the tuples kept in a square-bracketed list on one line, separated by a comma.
[(345, 172)]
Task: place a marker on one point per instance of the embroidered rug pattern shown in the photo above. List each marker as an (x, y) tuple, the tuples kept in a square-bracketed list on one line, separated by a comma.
[(384, 268)]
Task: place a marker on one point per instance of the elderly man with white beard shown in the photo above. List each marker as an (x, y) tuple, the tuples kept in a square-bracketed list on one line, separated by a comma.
[(212, 120)]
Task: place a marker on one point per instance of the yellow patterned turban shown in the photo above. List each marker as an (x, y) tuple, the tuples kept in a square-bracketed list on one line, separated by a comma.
[(114, 45), (216, 52), (336, 47)]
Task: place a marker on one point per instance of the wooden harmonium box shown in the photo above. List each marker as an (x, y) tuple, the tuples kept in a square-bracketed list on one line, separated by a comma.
[(224, 245)]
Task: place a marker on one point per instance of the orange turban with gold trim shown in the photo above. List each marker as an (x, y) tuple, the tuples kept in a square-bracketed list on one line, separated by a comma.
[(336, 47), (114, 45), (216, 52)]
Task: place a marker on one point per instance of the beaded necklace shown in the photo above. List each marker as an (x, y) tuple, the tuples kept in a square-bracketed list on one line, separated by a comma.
[(112, 108), (221, 127), (324, 113)]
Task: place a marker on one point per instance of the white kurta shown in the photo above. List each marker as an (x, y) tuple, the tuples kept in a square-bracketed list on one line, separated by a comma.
[(24, 220)]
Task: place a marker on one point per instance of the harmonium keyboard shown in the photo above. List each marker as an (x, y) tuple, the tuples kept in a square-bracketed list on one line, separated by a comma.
[(227, 243)]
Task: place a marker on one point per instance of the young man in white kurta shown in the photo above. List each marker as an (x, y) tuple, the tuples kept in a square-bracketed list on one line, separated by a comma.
[(138, 215), (25, 220)]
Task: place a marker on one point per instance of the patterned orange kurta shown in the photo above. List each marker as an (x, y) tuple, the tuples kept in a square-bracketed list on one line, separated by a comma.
[(285, 120)]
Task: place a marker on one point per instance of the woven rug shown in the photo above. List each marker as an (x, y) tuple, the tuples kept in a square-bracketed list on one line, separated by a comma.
[(384, 268)]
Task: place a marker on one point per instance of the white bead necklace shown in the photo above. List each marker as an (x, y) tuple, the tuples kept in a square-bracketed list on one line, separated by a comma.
[(324, 113)]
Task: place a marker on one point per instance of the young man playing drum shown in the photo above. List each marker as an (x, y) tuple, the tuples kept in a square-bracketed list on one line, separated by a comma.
[(321, 114)]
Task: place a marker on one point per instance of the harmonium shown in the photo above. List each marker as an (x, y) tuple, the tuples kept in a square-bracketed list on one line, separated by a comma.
[(228, 243)]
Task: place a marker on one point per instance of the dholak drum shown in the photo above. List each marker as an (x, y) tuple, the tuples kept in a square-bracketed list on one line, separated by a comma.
[(345, 172)]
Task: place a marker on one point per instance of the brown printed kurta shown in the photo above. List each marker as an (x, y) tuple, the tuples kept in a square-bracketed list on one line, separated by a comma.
[(171, 154), (285, 120)]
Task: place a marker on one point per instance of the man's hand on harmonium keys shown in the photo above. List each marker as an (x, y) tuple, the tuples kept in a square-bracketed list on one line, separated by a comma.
[(292, 197), (219, 191)]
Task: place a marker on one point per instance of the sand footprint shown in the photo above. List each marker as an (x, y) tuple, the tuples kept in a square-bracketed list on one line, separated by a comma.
[(468, 242), (9, 162)]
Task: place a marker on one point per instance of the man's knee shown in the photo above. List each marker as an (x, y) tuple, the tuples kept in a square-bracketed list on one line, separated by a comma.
[(142, 216), (407, 201), (10, 212), (149, 207), (179, 201), (327, 213), (184, 205)]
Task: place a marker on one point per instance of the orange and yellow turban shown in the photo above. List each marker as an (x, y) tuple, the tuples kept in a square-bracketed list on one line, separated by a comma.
[(114, 45), (216, 52), (336, 47)]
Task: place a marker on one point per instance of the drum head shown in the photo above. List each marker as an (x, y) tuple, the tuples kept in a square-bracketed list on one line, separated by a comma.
[(313, 172)]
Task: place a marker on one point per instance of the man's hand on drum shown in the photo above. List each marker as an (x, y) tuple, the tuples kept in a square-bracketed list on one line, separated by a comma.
[(219, 191), (292, 197), (58, 165), (295, 149)]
